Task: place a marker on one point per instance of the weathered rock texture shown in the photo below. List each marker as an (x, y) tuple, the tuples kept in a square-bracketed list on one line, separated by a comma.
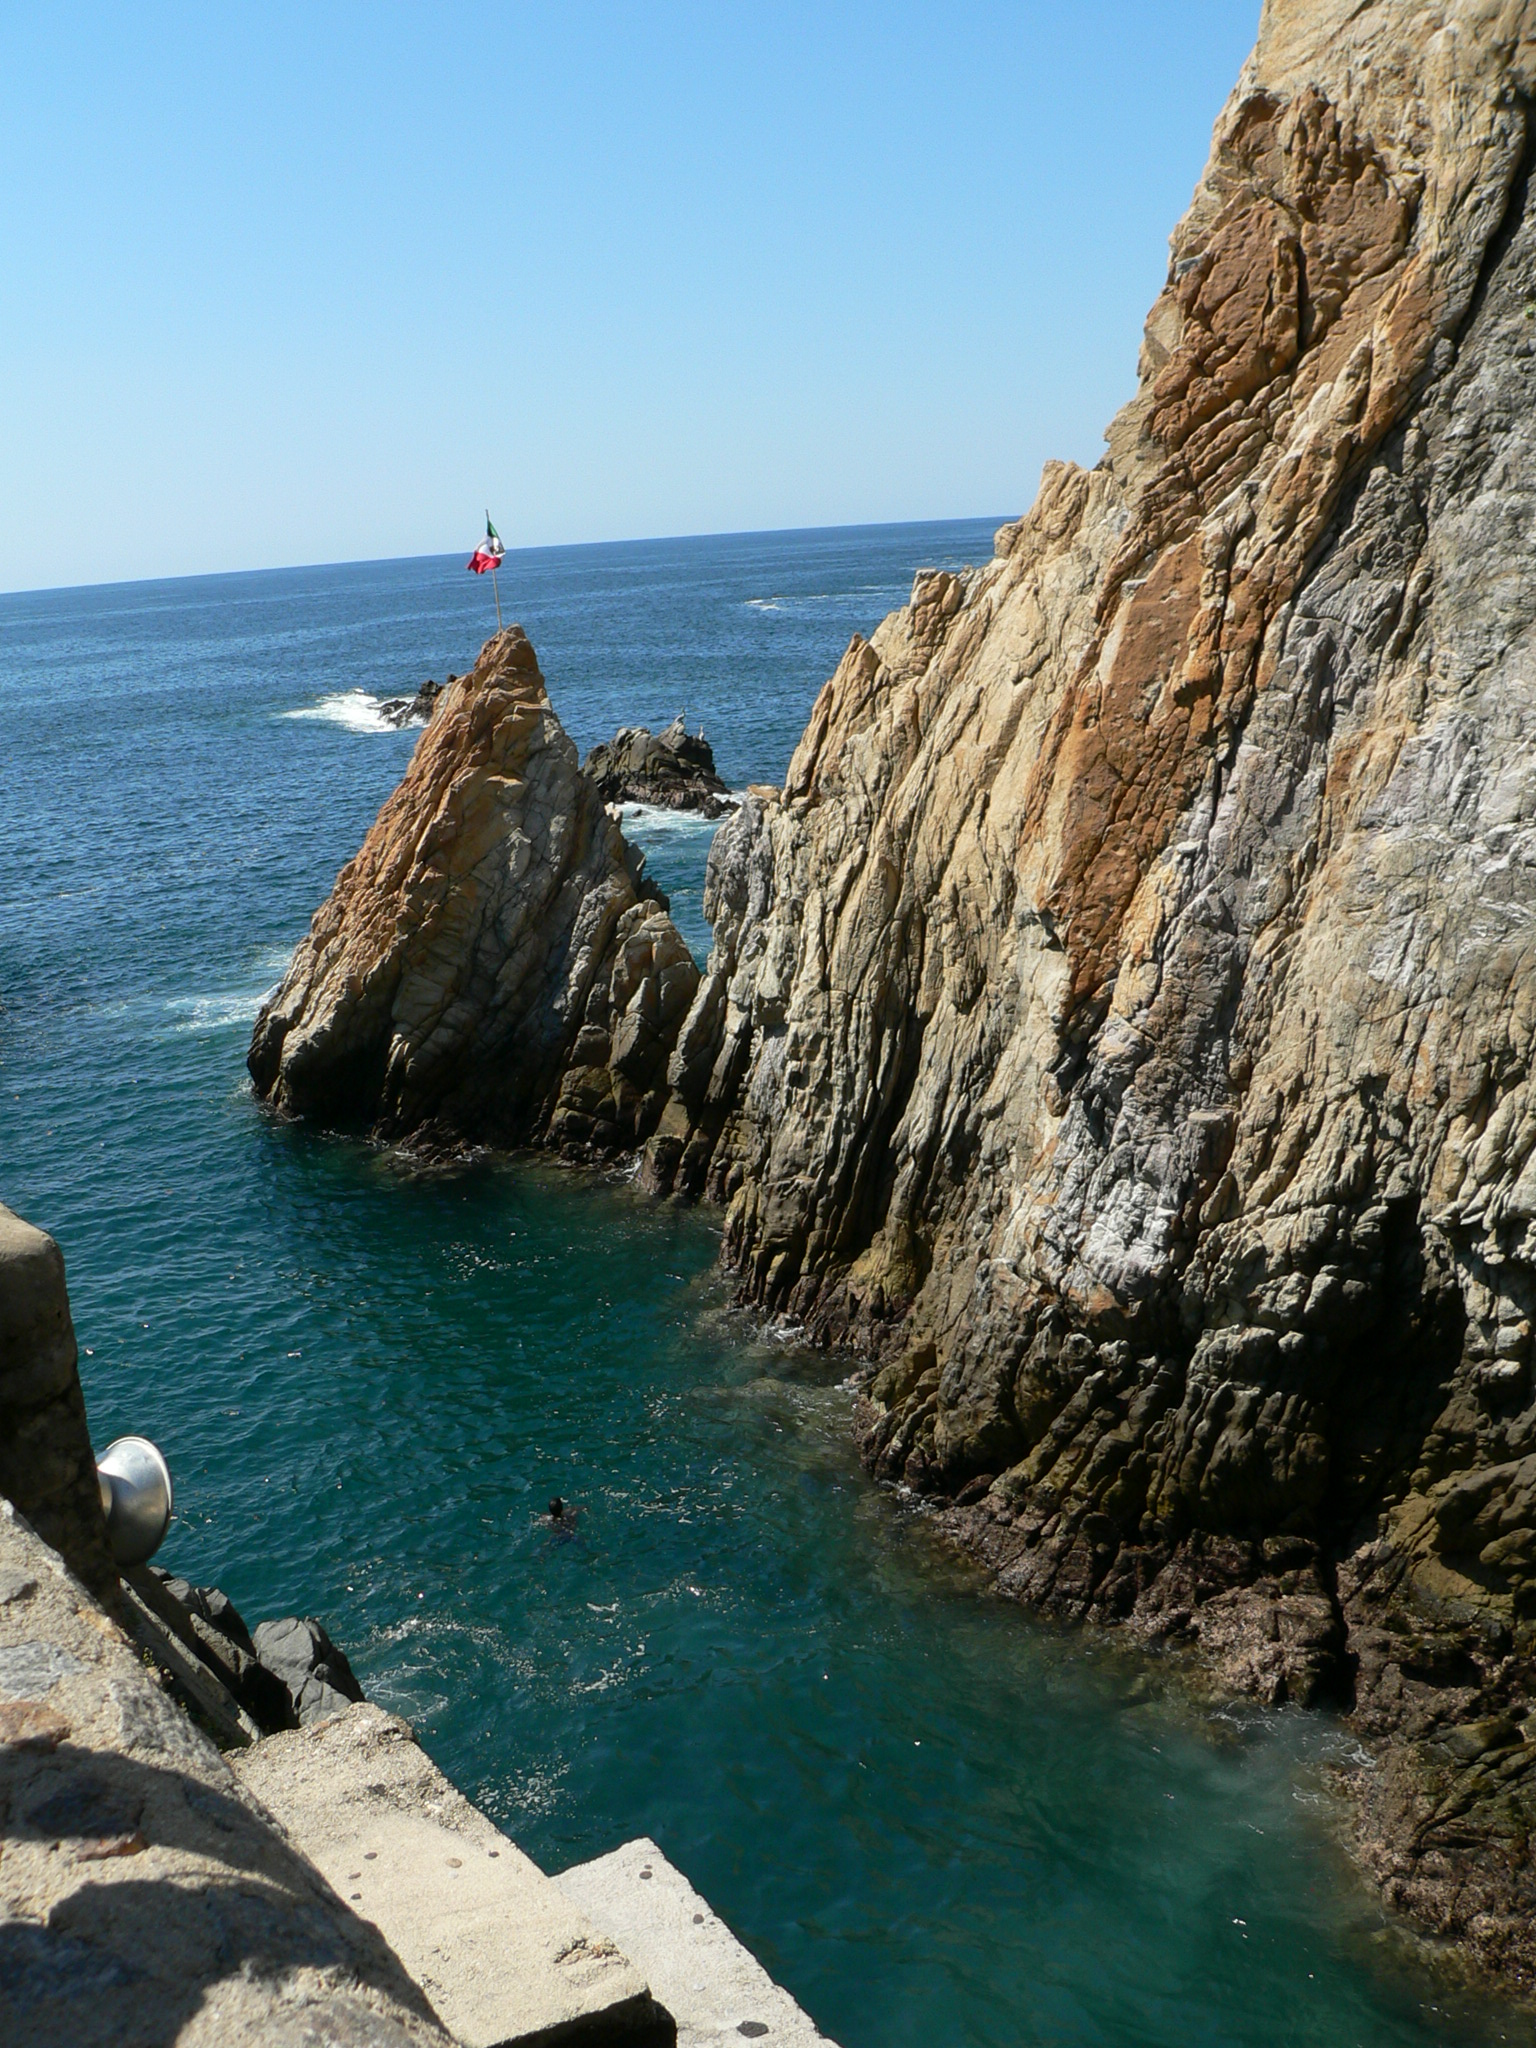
[(675, 769), (47, 1466), (1122, 1020), (145, 1897), (492, 965)]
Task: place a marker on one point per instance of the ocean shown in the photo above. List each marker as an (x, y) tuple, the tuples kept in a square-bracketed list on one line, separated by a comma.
[(936, 1820)]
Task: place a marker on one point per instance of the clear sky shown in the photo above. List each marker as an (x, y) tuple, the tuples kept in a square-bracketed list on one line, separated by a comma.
[(314, 283)]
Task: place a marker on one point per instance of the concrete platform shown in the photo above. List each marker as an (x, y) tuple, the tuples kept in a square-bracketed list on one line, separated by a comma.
[(715, 1989), (145, 1899), (504, 1954)]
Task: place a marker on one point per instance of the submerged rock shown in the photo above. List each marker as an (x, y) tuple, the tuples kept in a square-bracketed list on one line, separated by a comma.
[(1122, 1021), (494, 933), (675, 769)]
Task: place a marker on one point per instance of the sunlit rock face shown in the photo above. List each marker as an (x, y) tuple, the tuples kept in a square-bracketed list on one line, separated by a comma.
[(492, 966), (1121, 1021)]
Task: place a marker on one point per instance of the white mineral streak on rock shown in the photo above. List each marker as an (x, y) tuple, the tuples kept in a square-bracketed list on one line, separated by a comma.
[(1122, 1019)]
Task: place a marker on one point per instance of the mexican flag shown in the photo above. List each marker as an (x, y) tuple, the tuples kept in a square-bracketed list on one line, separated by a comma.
[(490, 551)]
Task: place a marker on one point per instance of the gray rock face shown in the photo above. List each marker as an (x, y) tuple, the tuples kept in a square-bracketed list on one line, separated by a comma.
[(1122, 1021), (674, 768), (316, 1674), (47, 1466), (492, 965)]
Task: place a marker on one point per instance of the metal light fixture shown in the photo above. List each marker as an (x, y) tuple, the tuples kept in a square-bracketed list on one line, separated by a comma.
[(136, 1498)]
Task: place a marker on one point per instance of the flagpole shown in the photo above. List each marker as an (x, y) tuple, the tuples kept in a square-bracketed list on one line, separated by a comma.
[(497, 593)]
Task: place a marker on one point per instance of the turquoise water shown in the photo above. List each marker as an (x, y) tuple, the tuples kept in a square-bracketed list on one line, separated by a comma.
[(937, 1821)]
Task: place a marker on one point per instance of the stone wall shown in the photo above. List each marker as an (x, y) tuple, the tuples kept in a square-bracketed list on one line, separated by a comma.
[(47, 1466)]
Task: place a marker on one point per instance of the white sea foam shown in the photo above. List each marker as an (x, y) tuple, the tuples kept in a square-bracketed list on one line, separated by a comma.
[(658, 821), (893, 593), (354, 709), (220, 1009), (214, 1012)]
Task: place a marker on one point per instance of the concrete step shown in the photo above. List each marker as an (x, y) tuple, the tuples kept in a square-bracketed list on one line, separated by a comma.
[(505, 1955), (715, 1989)]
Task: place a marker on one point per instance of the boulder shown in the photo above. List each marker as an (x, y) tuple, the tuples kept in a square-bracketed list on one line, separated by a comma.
[(316, 1674), (401, 711), (214, 1627), (674, 768)]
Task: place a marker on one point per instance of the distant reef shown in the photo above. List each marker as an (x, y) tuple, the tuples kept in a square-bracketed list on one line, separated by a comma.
[(674, 769), (1120, 1026)]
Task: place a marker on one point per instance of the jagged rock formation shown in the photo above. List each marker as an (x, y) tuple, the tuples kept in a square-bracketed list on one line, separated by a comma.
[(675, 768), (1122, 1020), (492, 965)]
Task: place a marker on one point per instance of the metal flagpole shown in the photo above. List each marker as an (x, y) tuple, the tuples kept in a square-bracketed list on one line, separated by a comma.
[(497, 593)]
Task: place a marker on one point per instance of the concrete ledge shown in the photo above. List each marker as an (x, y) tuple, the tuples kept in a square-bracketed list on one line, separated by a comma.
[(145, 1899), (503, 1953), (716, 1989)]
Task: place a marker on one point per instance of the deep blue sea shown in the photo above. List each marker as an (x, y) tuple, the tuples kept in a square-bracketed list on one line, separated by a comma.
[(937, 1821)]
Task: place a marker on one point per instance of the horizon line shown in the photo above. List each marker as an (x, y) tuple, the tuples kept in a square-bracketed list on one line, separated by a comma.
[(540, 548)]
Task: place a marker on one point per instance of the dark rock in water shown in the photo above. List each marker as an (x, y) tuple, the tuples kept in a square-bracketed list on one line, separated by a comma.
[(317, 1675), (415, 710), (675, 769)]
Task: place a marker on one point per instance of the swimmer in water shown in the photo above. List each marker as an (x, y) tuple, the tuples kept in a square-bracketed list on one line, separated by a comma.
[(556, 1508)]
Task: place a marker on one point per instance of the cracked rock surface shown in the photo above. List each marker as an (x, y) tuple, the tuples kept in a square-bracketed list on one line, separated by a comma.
[(1121, 1022), (145, 1896), (492, 965)]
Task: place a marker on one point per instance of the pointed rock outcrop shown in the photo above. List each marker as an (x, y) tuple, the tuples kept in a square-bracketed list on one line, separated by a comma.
[(492, 965)]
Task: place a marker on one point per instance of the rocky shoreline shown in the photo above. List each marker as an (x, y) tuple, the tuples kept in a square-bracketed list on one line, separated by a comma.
[(1118, 1028)]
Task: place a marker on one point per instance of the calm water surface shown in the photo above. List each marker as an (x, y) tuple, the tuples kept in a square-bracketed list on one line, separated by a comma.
[(936, 1821)]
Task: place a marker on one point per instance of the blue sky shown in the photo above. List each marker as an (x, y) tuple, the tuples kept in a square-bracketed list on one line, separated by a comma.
[(302, 284)]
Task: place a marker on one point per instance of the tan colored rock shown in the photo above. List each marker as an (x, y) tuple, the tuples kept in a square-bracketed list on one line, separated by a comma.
[(493, 933), (1123, 1019)]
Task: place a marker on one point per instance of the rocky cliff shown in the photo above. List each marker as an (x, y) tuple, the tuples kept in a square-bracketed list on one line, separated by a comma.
[(492, 965), (1122, 1020)]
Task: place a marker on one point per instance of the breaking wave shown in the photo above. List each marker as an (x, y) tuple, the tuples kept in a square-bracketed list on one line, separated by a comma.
[(354, 709)]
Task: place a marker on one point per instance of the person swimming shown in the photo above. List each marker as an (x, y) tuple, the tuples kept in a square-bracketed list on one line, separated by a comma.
[(561, 1520)]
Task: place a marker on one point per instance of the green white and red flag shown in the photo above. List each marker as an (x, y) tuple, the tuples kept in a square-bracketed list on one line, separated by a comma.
[(490, 551)]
